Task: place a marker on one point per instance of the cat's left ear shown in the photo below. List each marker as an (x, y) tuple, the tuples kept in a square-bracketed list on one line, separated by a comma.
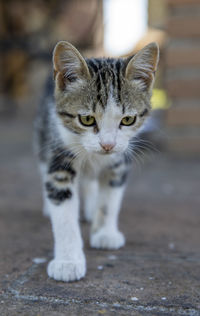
[(142, 67), (69, 65)]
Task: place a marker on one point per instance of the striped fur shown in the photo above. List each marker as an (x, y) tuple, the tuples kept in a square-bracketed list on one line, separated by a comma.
[(108, 74)]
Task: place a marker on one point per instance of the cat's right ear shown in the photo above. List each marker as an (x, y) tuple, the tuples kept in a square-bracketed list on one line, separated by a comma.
[(69, 65)]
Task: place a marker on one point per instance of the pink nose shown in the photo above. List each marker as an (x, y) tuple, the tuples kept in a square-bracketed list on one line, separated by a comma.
[(107, 146)]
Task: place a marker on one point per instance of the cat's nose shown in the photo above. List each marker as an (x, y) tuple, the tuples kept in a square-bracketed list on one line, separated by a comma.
[(108, 146)]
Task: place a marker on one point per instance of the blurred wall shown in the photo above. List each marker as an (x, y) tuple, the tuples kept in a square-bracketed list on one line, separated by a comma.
[(157, 14), (182, 75), (28, 32)]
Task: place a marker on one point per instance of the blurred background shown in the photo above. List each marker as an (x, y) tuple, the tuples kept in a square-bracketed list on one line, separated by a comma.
[(160, 212), (30, 29)]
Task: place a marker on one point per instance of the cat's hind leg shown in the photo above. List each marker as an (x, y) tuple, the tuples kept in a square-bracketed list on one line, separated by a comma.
[(89, 192), (104, 232), (43, 171)]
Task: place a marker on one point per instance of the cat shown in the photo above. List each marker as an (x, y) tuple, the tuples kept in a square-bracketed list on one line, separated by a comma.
[(85, 137)]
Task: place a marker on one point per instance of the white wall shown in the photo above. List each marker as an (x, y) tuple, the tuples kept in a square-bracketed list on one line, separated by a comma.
[(125, 22)]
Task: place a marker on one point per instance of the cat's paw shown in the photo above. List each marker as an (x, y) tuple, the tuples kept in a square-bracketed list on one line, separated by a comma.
[(66, 270), (105, 239)]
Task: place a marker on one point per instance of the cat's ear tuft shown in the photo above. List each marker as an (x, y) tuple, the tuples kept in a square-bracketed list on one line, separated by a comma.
[(143, 65), (69, 65)]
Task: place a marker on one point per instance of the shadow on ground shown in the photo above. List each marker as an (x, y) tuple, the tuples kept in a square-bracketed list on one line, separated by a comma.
[(156, 273)]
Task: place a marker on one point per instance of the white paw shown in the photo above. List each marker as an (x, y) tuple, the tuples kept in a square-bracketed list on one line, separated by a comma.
[(105, 239), (66, 270)]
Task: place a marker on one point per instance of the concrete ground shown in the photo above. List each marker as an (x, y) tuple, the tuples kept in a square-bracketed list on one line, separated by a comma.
[(156, 273)]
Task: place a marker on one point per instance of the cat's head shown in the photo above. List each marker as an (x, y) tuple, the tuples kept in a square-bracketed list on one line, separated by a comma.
[(103, 101)]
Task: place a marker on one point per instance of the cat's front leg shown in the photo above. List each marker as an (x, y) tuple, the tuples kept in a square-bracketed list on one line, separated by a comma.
[(63, 206), (104, 232)]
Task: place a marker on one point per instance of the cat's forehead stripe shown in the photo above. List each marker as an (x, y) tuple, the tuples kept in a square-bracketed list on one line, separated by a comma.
[(118, 67), (107, 73), (95, 65)]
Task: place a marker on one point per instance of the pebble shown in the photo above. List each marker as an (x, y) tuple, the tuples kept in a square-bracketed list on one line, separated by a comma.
[(116, 305), (39, 260), (134, 299), (100, 267)]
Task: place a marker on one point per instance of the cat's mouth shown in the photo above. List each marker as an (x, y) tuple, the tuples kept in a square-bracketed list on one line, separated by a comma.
[(106, 153)]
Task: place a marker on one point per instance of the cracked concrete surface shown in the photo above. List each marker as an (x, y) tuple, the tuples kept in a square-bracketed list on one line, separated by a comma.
[(156, 273)]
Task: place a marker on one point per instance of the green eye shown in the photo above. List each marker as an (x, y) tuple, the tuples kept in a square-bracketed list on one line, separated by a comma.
[(87, 120), (128, 120)]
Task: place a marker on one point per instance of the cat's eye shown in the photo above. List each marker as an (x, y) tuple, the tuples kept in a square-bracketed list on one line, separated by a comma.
[(128, 120), (87, 120)]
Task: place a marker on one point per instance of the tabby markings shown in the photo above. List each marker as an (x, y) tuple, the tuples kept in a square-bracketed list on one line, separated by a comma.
[(59, 163), (118, 66), (57, 195), (106, 72), (65, 113), (144, 113), (120, 181)]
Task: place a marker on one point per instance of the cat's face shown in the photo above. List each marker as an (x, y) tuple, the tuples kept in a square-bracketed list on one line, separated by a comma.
[(103, 101)]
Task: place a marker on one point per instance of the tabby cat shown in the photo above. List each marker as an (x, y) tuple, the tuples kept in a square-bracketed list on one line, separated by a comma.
[(84, 137)]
